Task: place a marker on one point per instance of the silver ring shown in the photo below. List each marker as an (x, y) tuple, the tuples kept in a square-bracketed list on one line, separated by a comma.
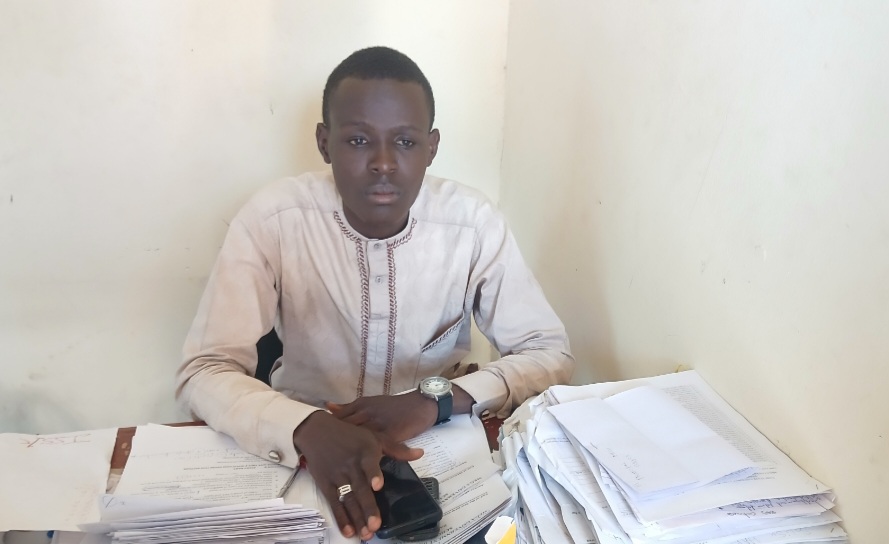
[(344, 490)]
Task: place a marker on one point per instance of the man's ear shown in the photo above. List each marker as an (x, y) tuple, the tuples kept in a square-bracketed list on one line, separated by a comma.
[(321, 138), (434, 139)]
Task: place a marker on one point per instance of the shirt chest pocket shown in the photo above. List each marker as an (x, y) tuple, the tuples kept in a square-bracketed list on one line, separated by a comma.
[(444, 351)]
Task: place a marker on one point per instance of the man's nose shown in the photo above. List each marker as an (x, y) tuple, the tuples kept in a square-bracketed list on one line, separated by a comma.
[(383, 160)]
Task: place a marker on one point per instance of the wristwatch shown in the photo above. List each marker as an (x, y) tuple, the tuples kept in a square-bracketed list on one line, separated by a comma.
[(439, 390)]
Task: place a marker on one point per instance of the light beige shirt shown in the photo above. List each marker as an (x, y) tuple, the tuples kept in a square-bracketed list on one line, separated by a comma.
[(359, 316)]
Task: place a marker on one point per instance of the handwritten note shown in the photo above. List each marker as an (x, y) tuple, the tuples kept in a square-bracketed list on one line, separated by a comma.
[(53, 482)]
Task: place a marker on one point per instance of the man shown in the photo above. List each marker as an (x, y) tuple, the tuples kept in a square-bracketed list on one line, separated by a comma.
[(369, 274)]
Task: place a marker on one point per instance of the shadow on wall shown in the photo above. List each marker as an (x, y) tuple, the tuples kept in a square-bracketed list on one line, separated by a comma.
[(27, 408)]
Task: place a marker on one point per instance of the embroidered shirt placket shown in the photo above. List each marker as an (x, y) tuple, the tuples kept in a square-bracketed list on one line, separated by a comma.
[(379, 307), (393, 305), (378, 353), (361, 256)]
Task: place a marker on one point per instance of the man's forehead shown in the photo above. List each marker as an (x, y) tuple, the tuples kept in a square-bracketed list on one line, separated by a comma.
[(393, 91), (352, 80)]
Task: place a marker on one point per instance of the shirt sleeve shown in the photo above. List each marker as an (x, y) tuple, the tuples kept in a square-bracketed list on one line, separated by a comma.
[(215, 381), (511, 310)]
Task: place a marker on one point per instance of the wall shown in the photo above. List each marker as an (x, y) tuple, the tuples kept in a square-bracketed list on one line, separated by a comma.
[(131, 132), (704, 183)]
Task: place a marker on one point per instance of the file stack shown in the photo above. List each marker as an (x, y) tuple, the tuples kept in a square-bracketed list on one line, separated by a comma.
[(255, 522), (657, 460), (191, 485)]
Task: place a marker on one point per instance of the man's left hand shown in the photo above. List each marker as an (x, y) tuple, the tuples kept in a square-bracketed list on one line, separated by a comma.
[(399, 417)]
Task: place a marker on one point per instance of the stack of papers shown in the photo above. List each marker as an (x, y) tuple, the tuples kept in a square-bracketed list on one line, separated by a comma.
[(174, 475), (193, 484), (658, 460), (269, 521), (471, 490)]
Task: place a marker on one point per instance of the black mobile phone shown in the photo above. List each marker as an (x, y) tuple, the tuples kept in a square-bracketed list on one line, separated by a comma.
[(429, 531), (404, 502)]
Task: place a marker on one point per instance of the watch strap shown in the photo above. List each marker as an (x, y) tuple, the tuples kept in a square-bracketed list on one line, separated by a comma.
[(445, 408)]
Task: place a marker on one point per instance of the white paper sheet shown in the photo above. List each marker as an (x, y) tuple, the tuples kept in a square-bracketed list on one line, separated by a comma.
[(567, 467), (53, 481), (197, 463), (160, 521), (775, 474), (572, 512), (651, 443), (544, 510), (456, 454)]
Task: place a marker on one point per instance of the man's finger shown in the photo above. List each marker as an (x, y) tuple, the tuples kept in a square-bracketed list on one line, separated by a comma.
[(397, 450), (370, 464), (355, 509), (338, 410), (347, 528), (348, 413), (369, 511)]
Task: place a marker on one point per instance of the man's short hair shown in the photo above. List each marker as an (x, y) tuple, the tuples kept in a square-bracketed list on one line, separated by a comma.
[(376, 63)]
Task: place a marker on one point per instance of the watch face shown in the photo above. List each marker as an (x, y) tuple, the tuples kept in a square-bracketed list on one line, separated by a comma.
[(436, 386)]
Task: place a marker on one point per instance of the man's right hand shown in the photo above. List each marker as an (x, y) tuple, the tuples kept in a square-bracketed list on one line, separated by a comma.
[(339, 453)]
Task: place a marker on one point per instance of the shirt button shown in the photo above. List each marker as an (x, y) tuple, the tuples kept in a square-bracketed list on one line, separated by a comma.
[(275, 456), (379, 279), (377, 245)]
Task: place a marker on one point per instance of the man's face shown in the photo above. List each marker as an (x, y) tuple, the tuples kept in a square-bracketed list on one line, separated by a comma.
[(379, 145)]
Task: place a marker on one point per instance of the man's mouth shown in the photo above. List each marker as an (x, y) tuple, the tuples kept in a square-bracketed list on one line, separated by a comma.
[(382, 194)]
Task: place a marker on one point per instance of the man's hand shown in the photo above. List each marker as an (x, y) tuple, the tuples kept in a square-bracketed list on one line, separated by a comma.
[(398, 417), (337, 454)]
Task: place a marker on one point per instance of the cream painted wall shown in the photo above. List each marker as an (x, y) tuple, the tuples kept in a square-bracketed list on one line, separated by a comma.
[(131, 132), (705, 183)]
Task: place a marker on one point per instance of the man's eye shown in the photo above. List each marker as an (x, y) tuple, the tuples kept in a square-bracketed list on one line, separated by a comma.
[(358, 140), (407, 144)]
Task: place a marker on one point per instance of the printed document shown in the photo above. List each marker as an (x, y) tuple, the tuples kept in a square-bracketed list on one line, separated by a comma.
[(197, 463)]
